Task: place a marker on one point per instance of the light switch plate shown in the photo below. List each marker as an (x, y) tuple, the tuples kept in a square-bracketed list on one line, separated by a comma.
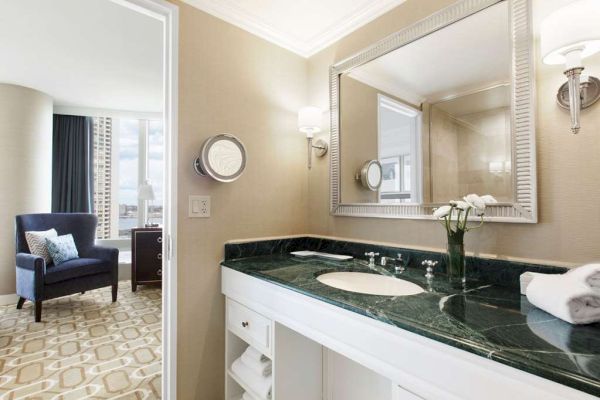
[(199, 206)]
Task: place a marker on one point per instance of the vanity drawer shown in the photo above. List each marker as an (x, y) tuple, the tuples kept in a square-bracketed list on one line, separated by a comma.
[(250, 326)]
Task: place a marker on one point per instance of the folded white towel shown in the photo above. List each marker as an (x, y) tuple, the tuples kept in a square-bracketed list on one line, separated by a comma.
[(589, 273), (260, 385), (565, 298), (255, 355), (248, 396), (260, 365)]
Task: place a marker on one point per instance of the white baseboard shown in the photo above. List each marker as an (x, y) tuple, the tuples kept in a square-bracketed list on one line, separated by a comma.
[(124, 271), (8, 299)]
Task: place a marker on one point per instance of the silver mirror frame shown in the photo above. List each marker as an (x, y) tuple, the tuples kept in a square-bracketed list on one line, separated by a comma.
[(524, 208)]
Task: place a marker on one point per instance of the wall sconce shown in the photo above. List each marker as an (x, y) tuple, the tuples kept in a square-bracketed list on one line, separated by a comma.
[(569, 35), (309, 122)]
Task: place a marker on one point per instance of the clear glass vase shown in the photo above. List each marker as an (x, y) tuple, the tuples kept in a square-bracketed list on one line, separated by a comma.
[(456, 261)]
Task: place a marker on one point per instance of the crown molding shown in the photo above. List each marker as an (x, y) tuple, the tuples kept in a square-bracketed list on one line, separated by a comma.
[(235, 15)]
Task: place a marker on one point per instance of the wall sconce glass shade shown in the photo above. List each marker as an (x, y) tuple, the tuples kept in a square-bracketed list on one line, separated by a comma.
[(309, 120), (568, 35)]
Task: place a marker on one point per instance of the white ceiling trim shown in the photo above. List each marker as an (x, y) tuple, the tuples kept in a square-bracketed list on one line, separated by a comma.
[(232, 13)]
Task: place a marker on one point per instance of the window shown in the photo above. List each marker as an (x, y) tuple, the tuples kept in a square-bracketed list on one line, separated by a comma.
[(127, 152)]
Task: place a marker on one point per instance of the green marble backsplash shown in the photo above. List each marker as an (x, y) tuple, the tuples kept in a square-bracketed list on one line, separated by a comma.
[(499, 272)]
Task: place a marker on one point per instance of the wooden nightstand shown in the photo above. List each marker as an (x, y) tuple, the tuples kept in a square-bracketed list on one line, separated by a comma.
[(146, 256)]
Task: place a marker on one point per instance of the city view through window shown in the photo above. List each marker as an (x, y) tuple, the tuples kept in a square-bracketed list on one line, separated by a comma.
[(126, 152)]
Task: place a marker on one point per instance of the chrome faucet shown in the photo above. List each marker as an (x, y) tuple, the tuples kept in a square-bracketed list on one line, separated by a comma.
[(399, 267), (371, 256)]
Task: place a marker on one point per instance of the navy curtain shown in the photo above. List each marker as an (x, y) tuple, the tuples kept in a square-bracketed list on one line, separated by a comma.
[(72, 164)]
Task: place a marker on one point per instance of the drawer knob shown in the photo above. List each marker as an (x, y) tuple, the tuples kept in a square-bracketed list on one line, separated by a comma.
[(159, 272), (159, 239), (245, 324), (159, 256)]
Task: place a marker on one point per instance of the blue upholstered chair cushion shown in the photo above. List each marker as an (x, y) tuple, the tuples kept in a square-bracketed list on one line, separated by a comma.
[(76, 268), (62, 248)]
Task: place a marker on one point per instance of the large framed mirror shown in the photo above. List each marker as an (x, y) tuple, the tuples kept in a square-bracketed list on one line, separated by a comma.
[(446, 112)]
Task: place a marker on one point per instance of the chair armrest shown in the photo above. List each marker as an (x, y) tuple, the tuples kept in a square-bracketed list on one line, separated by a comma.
[(103, 253), (31, 262)]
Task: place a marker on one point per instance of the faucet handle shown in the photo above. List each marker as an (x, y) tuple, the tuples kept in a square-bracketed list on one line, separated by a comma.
[(371, 256), (430, 264)]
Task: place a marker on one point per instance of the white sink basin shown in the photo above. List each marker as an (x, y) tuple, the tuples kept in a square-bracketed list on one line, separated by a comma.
[(360, 282)]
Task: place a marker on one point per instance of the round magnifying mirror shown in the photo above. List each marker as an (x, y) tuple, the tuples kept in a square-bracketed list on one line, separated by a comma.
[(370, 175), (222, 157)]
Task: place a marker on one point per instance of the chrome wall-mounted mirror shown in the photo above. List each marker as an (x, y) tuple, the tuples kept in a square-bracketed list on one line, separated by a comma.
[(222, 157), (444, 112)]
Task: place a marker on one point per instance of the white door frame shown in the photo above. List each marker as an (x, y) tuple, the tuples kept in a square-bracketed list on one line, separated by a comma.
[(169, 15)]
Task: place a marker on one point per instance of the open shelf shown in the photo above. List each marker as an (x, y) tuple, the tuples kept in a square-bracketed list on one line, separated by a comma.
[(243, 385)]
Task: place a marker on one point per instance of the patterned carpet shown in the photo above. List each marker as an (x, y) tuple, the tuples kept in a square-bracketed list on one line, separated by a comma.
[(85, 347)]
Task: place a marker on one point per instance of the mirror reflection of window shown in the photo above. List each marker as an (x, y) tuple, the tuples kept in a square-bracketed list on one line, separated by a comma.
[(399, 133)]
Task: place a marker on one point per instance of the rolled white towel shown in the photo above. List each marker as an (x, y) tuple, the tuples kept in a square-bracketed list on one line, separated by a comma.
[(260, 385), (261, 365), (567, 299), (525, 280), (589, 273)]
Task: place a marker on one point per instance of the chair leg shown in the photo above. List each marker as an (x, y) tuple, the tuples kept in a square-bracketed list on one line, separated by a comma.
[(20, 303), (114, 292), (38, 310)]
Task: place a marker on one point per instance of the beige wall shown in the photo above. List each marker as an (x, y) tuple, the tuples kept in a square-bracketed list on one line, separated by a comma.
[(568, 169), (26, 165), (231, 81)]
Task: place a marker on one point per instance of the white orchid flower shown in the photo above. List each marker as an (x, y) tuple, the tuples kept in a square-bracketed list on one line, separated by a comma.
[(442, 212), (489, 199), (476, 202), (461, 205)]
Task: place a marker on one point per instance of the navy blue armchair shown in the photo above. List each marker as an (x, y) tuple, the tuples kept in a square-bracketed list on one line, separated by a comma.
[(97, 266)]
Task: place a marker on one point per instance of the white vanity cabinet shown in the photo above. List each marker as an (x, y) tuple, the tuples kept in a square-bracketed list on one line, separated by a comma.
[(323, 352)]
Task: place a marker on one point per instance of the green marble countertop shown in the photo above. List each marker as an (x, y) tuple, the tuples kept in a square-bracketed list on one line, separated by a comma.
[(486, 319)]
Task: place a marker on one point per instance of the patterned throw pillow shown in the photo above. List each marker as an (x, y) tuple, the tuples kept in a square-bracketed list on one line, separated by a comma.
[(62, 248), (36, 240)]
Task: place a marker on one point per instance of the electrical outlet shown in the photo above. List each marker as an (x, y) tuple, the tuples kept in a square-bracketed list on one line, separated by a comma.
[(199, 207)]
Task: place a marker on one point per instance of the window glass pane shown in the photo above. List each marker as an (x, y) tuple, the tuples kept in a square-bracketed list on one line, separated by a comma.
[(156, 170), (128, 175)]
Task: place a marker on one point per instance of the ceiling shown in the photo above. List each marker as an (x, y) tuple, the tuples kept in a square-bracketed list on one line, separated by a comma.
[(302, 26), (448, 62), (484, 100), (91, 53)]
